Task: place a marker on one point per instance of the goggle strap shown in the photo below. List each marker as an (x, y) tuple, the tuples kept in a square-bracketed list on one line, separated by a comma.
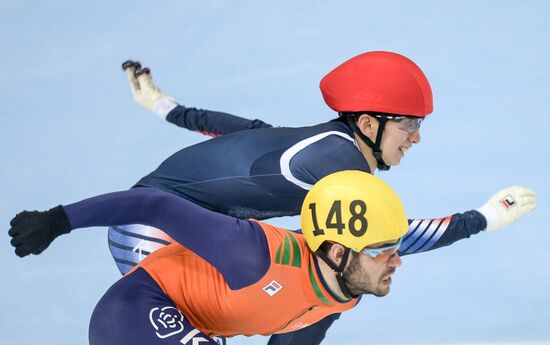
[(338, 270), (344, 261), (325, 258), (377, 152)]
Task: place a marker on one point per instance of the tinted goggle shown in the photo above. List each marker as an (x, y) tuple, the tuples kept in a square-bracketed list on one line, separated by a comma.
[(409, 124), (389, 249)]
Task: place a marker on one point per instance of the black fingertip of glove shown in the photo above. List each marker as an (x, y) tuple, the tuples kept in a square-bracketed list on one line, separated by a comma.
[(127, 64), (130, 63), (12, 231), (22, 251), (36, 252), (15, 241), (139, 72), (17, 217)]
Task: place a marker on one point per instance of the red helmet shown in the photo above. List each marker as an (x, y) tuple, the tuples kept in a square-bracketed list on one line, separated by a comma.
[(378, 81)]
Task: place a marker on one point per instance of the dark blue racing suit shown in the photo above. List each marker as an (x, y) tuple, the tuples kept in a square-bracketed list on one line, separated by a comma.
[(263, 173)]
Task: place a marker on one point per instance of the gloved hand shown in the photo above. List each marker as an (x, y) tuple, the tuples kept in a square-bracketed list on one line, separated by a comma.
[(144, 90), (33, 231), (507, 205)]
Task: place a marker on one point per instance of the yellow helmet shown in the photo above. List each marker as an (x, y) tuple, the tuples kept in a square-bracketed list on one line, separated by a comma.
[(352, 208)]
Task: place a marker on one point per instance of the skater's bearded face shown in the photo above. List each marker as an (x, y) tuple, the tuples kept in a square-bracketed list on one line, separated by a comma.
[(367, 275)]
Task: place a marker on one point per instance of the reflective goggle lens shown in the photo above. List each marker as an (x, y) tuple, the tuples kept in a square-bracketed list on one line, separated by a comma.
[(390, 249), (410, 124)]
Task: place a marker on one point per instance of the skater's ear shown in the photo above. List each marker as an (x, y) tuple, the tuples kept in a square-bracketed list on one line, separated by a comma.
[(335, 253), (368, 126)]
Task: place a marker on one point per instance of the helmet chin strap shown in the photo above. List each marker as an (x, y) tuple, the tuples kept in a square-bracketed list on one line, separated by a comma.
[(338, 270), (375, 146)]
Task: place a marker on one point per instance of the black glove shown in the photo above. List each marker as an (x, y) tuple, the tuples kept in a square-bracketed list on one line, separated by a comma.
[(33, 231)]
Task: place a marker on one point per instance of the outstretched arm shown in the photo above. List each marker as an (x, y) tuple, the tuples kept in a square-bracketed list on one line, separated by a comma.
[(503, 208), (147, 94), (212, 123), (225, 242), (429, 234)]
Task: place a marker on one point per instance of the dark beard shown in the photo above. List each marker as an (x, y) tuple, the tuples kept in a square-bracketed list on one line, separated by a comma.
[(358, 281)]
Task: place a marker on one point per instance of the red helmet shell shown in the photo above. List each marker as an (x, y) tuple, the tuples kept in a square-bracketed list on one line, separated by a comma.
[(378, 81)]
